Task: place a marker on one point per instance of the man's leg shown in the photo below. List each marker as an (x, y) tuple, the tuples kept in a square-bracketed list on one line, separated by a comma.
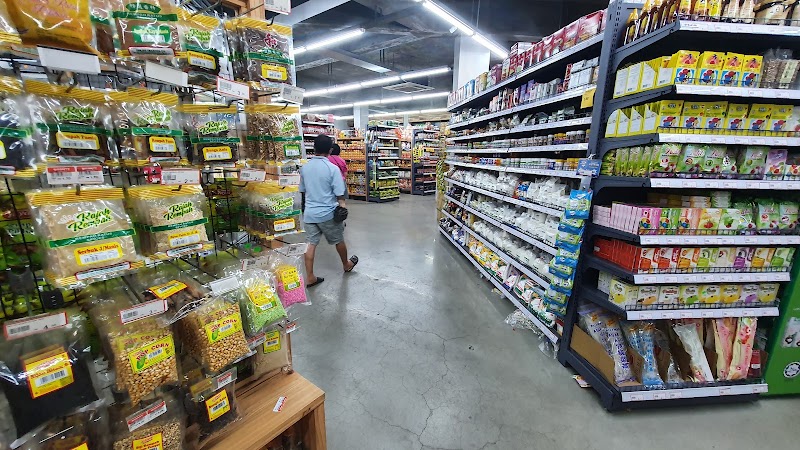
[(309, 257), (313, 235), (334, 233), (341, 248)]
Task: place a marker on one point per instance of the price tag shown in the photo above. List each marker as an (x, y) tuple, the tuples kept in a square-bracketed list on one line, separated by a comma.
[(90, 174), (717, 140), (707, 314), (291, 327), (69, 61), (224, 285), (669, 315), (294, 249), (706, 277), (659, 396), (728, 184), (781, 142), (690, 184), (279, 404), (649, 279), (233, 89), (164, 74), (16, 329), (675, 394), (740, 140), (751, 240), (278, 6), (727, 313), (142, 311), (252, 175), (759, 389), (725, 391), (173, 177), (226, 378), (686, 315), (671, 280), (792, 186), (291, 94), (646, 316), (637, 397), (747, 313), (673, 241), (144, 416), (60, 175)]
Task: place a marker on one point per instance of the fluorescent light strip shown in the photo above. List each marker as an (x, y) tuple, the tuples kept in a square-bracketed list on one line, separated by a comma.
[(400, 113), (466, 29), (377, 82), (330, 41), (385, 101)]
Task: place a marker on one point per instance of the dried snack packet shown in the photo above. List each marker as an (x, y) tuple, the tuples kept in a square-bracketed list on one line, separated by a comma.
[(102, 27), (662, 346), (158, 425), (742, 348), (260, 304), (71, 125), (148, 130), (203, 43), (724, 334), (53, 23), (212, 403), (690, 339), (622, 367), (264, 54), (213, 134), (17, 157), (272, 352), (580, 203), (592, 320), (8, 32), (146, 29)]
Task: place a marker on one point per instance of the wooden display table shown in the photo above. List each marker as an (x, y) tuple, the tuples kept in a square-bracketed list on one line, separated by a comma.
[(304, 405)]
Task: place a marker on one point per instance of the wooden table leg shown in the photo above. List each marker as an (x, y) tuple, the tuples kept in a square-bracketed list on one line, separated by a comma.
[(315, 438)]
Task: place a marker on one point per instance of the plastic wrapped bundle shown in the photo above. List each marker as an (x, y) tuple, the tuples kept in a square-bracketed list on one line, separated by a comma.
[(18, 157), (260, 304), (213, 133), (149, 130), (271, 210), (263, 52)]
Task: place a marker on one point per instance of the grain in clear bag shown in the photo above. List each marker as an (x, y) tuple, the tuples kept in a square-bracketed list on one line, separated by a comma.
[(157, 425), (148, 128), (71, 124), (213, 333), (288, 275), (273, 354), (45, 368), (87, 236), (170, 221), (259, 301), (213, 133)]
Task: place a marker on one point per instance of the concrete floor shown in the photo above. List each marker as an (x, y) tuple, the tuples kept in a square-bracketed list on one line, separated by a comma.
[(412, 352)]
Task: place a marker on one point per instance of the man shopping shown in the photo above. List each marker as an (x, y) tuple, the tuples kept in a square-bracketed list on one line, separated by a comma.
[(323, 191)]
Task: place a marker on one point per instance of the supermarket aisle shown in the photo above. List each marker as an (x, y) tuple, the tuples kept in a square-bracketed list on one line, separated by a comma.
[(412, 352)]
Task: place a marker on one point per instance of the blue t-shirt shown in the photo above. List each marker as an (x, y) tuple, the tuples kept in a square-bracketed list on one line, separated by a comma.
[(322, 183)]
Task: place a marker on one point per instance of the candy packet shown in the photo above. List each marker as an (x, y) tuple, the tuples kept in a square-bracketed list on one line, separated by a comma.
[(690, 339), (742, 348)]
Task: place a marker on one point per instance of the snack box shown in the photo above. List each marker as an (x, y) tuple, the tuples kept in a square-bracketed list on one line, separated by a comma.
[(731, 293), (687, 260), (731, 70), (689, 294), (622, 293), (693, 115), (758, 118), (776, 163), (751, 70), (761, 257), (649, 219), (623, 122), (558, 42), (669, 114), (636, 120), (779, 118), (604, 282), (689, 220), (724, 260), (571, 34), (715, 113), (668, 258), (612, 124), (547, 47), (749, 293), (659, 64), (709, 67), (736, 116), (709, 220), (648, 295), (704, 259), (752, 161), (649, 75), (633, 84), (669, 295), (691, 159), (621, 82), (682, 68), (668, 222), (591, 25), (768, 292)]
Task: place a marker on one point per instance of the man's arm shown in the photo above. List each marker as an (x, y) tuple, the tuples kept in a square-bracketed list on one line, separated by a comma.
[(339, 188)]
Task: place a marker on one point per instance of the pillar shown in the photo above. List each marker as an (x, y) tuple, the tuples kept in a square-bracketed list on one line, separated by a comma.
[(471, 60), (361, 117)]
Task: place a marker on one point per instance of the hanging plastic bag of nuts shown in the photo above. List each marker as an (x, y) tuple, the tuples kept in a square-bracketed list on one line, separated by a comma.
[(141, 350), (272, 352), (213, 133), (212, 403), (149, 130), (71, 124), (85, 429), (259, 302), (44, 368), (203, 42), (159, 425), (172, 221), (213, 334), (264, 55)]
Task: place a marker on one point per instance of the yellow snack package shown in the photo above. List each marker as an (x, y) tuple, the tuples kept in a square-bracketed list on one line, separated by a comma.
[(53, 23)]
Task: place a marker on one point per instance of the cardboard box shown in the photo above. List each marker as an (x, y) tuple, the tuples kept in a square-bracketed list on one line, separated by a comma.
[(621, 82), (709, 67), (595, 354), (633, 84), (736, 116), (649, 74), (669, 113), (731, 73), (622, 293), (682, 68), (751, 70), (636, 120), (758, 118)]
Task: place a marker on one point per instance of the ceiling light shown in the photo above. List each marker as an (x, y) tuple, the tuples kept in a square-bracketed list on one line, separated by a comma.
[(388, 101), (494, 48), (343, 88), (451, 19), (379, 82), (385, 101), (431, 95), (424, 73), (434, 110), (330, 41), (316, 93), (329, 107)]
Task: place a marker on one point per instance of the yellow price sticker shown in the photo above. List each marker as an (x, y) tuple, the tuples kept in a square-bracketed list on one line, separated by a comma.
[(218, 405)]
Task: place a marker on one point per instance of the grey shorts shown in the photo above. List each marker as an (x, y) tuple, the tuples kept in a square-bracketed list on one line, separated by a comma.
[(334, 232)]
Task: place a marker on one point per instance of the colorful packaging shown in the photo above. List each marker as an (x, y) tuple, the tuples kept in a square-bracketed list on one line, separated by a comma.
[(665, 158), (758, 118), (690, 339), (752, 162), (735, 118), (768, 292), (710, 220), (213, 134), (148, 130), (51, 23), (731, 293), (714, 116), (691, 159), (749, 293), (146, 30), (689, 221), (708, 68), (724, 332), (751, 70), (742, 348), (731, 70), (17, 157), (688, 294), (669, 295), (648, 295), (693, 115), (712, 161), (710, 294), (203, 41), (779, 118)]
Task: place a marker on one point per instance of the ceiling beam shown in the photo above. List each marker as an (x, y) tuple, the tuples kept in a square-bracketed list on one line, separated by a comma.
[(308, 10), (352, 58)]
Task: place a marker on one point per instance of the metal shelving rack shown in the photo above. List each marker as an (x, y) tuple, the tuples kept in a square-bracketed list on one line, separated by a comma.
[(309, 135), (608, 188), (425, 147), (354, 153), (383, 157)]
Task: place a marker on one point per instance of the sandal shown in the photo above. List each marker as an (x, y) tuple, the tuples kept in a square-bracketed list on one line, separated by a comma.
[(319, 281), (354, 260)]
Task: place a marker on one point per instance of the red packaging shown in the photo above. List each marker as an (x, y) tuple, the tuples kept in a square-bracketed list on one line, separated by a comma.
[(495, 73), (558, 42), (538, 50), (528, 58), (512, 65), (571, 34), (591, 25), (603, 248), (547, 47)]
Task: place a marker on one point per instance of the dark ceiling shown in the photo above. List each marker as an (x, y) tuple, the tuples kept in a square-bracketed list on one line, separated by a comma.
[(402, 36)]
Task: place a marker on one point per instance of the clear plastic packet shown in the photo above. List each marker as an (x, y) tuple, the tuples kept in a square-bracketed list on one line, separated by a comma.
[(619, 351), (171, 284), (264, 55), (157, 425), (171, 221), (642, 339), (213, 334), (271, 210), (141, 351), (8, 32), (579, 205), (592, 320), (260, 304), (18, 158), (85, 429), (213, 133), (272, 352), (51, 23), (203, 42), (146, 29), (690, 339), (148, 129), (289, 282), (742, 348), (212, 403), (87, 236), (664, 352), (102, 27), (71, 124), (274, 133), (45, 368), (724, 335)]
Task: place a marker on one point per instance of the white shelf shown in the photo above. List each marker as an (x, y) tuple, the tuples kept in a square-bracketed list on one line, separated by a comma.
[(525, 237), (737, 277), (388, 178), (387, 147), (429, 182), (672, 394), (536, 149), (715, 313), (478, 150), (509, 295), (325, 124), (527, 128), (514, 201), (527, 72), (693, 138), (542, 172), (567, 95), (681, 183), (738, 28), (686, 240), (388, 168), (386, 157)]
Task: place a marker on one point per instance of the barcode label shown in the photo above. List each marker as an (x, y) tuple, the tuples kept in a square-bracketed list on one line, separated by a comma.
[(47, 379), (25, 327), (174, 177), (252, 175), (279, 6), (230, 88), (93, 258), (144, 416), (142, 311), (226, 379)]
